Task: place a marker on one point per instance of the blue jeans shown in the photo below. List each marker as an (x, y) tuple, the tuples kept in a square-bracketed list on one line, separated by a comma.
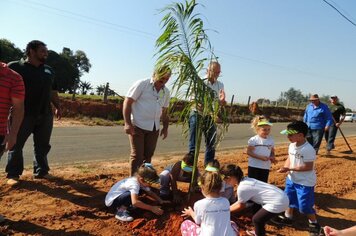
[(209, 131), (314, 137), (41, 128), (330, 136), (123, 200)]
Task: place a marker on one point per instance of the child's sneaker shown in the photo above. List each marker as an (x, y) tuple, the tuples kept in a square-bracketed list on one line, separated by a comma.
[(282, 220), (123, 215), (2, 219), (314, 229), (131, 208)]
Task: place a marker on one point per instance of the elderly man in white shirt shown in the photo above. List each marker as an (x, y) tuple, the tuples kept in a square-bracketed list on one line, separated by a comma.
[(210, 131), (145, 104)]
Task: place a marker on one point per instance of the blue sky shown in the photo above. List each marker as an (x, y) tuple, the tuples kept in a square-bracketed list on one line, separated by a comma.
[(265, 47)]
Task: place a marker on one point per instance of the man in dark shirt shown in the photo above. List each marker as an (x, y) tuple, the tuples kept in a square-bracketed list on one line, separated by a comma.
[(338, 112), (40, 92)]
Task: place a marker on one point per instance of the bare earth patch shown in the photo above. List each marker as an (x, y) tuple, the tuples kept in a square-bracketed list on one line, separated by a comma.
[(73, 203), (65, 122)]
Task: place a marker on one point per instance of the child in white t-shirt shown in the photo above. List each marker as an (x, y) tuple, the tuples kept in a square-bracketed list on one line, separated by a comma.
[(227, 190), (260, 149), (301, 177), (125, 193), (272, 199), (211, 215)]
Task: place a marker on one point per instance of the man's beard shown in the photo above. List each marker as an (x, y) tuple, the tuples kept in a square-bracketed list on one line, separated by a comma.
[(43, 60)]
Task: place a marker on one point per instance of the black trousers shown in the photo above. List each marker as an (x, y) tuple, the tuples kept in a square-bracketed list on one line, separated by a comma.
[(259, 174), (260, 219)]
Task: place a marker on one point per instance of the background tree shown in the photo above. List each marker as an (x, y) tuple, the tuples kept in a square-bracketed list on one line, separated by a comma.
[(100, 89), (292, 95), (79, 62), (66, 74), (263, 101), (9, 52), (185, 48), (68, 66), (85, 86)]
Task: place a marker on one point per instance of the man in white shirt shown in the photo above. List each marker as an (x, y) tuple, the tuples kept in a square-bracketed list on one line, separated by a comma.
[(209, 130), (145, 104)]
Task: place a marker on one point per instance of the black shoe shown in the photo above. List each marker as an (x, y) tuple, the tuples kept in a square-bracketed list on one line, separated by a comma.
[(314, 229), (46, 176), (282, 220)]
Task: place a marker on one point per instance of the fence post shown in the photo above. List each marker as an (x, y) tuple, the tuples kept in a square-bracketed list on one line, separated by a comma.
[(105, 99)]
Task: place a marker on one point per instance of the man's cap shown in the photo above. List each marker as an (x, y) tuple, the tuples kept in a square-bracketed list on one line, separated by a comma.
[(333, 96), (314, 97)]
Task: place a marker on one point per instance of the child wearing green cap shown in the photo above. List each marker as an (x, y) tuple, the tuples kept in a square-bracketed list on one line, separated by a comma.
[(125, 193), (260, 149), (179, 171), (301, 177), (210, 215), (227, 190)]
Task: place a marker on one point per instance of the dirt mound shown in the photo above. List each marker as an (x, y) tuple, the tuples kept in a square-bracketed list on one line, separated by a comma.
[(73, 202)]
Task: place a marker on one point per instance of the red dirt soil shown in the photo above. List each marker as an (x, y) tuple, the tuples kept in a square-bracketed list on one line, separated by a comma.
[(73, 202)]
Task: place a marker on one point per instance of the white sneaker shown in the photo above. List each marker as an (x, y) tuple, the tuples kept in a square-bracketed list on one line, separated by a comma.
[(123, 215)]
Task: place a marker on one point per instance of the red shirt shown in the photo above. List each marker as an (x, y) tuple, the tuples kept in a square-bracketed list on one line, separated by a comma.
[(11, 86)]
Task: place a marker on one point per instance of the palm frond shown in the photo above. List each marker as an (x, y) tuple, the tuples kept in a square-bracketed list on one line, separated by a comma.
[(185, 47)]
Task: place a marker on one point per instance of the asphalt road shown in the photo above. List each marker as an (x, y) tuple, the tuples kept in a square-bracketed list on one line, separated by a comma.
[(83, 144)]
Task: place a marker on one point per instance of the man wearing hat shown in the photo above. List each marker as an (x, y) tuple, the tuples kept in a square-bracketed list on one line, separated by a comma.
[(318, 118), (338, 113)]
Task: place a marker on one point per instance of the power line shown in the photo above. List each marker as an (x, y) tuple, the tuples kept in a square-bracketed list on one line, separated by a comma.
[(131, 30), (340, 12), (285, 68), (92, 19)]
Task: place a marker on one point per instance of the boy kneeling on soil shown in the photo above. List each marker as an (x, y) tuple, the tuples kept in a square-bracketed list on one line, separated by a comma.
[(125, 193), (179, 171)]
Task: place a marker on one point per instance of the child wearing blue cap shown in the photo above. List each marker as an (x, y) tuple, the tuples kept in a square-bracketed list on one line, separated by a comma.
[(260, 149), (301, 177), (125, 193), (179, 171)]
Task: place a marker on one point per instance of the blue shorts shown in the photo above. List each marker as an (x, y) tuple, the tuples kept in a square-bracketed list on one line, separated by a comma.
[(300, 197)]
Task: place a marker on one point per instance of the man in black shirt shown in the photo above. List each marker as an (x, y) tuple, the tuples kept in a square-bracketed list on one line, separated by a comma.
[(40, 92), (338, 113)]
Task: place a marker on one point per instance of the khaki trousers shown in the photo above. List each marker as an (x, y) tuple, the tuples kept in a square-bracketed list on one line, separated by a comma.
[(143, 144)]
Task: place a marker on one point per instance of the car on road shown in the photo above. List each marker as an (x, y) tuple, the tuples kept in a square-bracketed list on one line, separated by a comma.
[(350, 117)]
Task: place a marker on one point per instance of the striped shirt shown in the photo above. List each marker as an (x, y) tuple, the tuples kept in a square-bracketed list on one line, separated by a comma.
[(11, 86)]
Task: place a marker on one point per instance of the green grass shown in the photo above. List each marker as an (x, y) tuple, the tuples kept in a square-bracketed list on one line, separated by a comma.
[(95, 121), (96, 98)]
